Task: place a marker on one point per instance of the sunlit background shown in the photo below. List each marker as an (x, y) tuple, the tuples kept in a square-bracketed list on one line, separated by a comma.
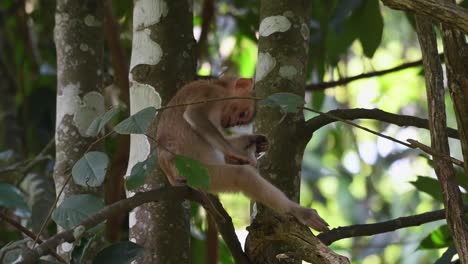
[(350, 176)]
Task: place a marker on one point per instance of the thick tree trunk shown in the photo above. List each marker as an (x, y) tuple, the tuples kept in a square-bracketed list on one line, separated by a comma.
[(439, 140), (162, 61), (78, 39), (281, 67)]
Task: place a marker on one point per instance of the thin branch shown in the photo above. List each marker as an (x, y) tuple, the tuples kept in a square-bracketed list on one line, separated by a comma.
[(346, 80), (30, 234), (339, 233), (320, 121), (411, 143), (165, 193)]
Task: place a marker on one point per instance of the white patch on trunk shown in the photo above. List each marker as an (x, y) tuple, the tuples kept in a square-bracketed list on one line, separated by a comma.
[(145, 50), (145, 14), (272, 24), (67, 102), (141, 96), (83, 111), (132, 218), (287, 72), (265, 64), (148, 12)]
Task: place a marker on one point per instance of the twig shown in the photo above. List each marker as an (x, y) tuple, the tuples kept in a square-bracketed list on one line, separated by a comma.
[(358, 126), (209, 101), (30, 234), (26, 165), (429, 150), (346, 80), (412, 143), (378, 228)]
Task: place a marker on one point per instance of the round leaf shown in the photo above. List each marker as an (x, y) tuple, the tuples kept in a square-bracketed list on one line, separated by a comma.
[(11, 197), (119, 253), (137, 123), (195, 173), (98, 124), (75, 209), (90, 170)]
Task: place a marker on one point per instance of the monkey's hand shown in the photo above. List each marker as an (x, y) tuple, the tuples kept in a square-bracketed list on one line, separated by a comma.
[(309, 217), (240, 159)]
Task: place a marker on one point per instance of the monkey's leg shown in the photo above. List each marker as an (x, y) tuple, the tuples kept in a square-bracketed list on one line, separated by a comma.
[(244, 178)]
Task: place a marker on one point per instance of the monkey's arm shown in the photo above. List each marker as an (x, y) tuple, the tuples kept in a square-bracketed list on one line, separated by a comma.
[(197, 117)]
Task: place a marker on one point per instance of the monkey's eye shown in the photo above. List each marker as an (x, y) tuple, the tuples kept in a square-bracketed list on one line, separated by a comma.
[(242, 114)]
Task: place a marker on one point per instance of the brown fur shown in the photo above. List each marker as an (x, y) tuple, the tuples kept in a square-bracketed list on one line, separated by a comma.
[(196, 131)]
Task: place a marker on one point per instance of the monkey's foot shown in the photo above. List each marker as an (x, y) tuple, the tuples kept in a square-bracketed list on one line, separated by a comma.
[(310, 217)]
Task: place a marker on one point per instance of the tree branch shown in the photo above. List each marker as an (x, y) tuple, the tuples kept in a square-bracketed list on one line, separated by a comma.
[(166, 193), (30, 234), (442, 11), (320, 121), (378, 228), (346, 80)]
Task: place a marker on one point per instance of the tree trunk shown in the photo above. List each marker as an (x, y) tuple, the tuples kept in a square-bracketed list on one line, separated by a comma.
[(439, 140), (78, 39), (281, 67), (162, 61)]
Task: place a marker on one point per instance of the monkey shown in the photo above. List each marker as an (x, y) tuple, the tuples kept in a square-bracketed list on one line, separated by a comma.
[(196, 130)]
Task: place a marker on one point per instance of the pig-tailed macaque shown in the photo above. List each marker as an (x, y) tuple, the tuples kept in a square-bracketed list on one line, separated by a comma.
[(197, 131)]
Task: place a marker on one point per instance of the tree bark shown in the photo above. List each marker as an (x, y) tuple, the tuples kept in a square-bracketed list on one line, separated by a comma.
[(456, 57), (439, 140), (79, 44), (162, 61), (446, 12), (281, 67)]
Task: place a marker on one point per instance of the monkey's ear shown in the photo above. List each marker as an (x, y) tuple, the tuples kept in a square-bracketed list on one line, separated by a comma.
[(244, 84)]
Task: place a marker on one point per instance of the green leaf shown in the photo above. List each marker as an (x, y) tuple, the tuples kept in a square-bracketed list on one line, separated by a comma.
[(195, 173), (370, 23), (430, 186), (75, 209), (98, 124), (439, 238), (119, 253), (288, 102), (137, 123), (91, 169), (140, 170), (11, 197)]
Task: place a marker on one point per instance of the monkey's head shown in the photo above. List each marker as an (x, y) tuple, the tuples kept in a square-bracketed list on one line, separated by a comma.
[(238, 111)]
